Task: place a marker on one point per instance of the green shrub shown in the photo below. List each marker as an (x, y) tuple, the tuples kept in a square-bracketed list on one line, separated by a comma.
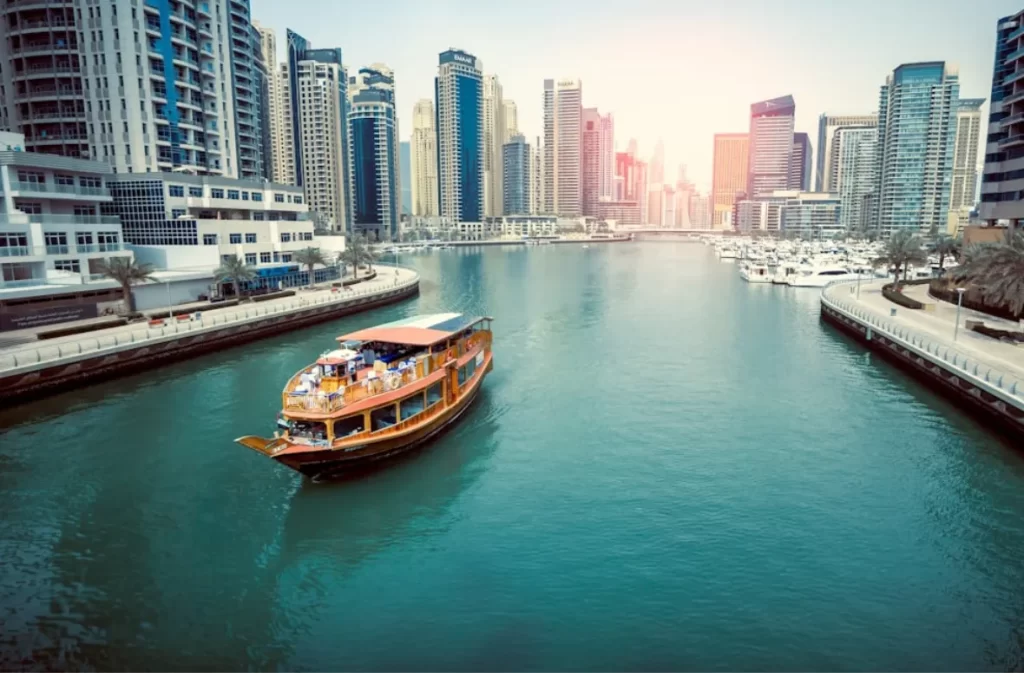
[(81, 329), (163, 315), (890, 293), (274, 295), (998, 333)]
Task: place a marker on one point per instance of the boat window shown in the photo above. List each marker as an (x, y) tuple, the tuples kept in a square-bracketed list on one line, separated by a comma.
[(466, 371), (382, 418), (462, 375), (833, 273), (309, 430), (434, 394), (343, 427), (411, 406)]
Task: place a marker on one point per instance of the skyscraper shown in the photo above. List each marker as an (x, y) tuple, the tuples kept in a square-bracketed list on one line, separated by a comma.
[(405, 171), (563, 161), (424, 159), (537, 178), (278, 119), (511, 119), (323, 130), (729, 174), (827, 125), (517, 156), (916, 129), (800, 163), (854, 156), (771, 145), (374, 178), (1004, 150), (164, 96), (700, 211), (598, 159), (964, 188), (657, 165), (459, 93), (494, 139)]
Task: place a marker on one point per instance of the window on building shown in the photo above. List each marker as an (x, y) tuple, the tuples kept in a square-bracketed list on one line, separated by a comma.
[(307, 235), (233, 194), (264, 258), (245, 196), (286, 237), (68, 180), (257, 196), (297, 199), (216, 193), (286, 257), (67, 265), (250, 258), (195, 191), (95, 183), (258, 216), (250, 238), (278, 198), (83, 238), (30, 207), (108, 241), (84, 211), (176, 190), (31, 178), (209, 239), (234, 238), (177, 212), (13, 243)]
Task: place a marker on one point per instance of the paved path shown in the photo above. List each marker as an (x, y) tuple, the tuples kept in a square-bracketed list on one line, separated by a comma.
[(939, 323), (386, 279)]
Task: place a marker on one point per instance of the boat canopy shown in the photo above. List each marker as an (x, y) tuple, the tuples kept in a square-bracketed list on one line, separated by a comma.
[(423, 330)]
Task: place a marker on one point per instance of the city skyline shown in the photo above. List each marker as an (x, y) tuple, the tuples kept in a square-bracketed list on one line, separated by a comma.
[(810, 69)]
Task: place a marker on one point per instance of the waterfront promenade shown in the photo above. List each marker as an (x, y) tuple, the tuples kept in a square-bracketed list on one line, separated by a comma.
[(986, 372), (48, 365)]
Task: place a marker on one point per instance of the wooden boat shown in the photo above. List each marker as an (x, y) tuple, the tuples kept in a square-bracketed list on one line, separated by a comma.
[(385, 390)]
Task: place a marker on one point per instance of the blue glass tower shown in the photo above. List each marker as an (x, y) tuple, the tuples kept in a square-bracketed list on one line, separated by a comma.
[(516, 177), (916, 133), (1001, 196), (458, 90), (374, 185)]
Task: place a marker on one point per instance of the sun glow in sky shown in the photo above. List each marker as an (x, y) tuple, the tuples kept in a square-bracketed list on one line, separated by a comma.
[(681, 70)]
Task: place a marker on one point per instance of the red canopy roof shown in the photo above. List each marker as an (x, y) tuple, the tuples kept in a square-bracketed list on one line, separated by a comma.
[(412, 336)]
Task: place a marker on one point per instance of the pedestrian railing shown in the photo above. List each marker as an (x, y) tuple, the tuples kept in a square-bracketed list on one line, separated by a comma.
[(201, 322), (966, 365)]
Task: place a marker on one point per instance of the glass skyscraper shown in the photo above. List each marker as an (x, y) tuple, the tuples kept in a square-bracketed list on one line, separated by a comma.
[(771, 146), (516, 155), (374, 190), (458, 91), (1002, 186), (916, 131)]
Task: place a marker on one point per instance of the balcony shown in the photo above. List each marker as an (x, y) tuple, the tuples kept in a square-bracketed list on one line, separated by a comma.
[(29, 73), (59, 249), (1011, 120), (1012, 141), (1015, 34), (30, 26), (1014, 77), (44, 48), (15, 251), (71, 219), (44, 93), (47, 188)]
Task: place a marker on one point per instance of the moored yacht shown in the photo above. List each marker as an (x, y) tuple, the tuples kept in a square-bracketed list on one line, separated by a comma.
[(820, 276), (756, 273)]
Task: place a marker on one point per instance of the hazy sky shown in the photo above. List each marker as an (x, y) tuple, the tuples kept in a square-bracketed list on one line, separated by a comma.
[(678, 69)]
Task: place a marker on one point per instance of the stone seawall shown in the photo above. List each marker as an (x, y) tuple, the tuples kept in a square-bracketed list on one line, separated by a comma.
[(98, 357), (987, 391)]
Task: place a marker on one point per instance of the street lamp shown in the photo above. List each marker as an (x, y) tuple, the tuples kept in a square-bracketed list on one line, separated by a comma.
[(858, 282), (959, 302)]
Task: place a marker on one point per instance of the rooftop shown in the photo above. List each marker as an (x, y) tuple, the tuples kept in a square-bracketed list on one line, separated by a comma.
[(423, 330)]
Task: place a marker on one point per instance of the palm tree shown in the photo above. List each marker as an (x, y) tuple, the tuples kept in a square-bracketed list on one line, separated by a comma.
[(901, 250), (233, 269), (997, 271), (310, 257), (945, 246), (127, 272)]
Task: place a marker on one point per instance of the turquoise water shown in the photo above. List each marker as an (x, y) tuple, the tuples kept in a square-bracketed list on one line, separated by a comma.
[(668, 469)]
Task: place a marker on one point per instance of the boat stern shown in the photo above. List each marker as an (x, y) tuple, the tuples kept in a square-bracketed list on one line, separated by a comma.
[(268, 447)]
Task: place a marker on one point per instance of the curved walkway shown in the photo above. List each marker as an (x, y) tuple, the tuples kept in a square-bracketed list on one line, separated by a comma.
[(73, 347), (930, 332)]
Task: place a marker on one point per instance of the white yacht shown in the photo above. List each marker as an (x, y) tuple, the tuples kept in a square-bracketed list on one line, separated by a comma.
[(756, 273), (783, 272), (820, 276)]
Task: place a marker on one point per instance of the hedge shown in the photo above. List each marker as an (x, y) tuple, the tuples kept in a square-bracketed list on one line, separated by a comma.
[(998, 333), (899, 298), (274, 295), (163, 315), (937, 290), (81, 329)]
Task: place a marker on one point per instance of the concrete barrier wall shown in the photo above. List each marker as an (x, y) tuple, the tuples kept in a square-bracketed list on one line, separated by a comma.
[(980, 387), (31, 373)]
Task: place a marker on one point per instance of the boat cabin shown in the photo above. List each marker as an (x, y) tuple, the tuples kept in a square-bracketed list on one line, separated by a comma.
[(384, 377)]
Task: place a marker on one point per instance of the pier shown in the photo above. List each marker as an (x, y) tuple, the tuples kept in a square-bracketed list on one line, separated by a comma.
[(46, 367), (982, 374)]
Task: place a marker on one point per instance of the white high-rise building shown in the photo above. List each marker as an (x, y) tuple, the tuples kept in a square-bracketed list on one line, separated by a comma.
[(854, 155), (826, 168), (423, 156), (598, 159), (537, 173), (322, 129), (964, 188), (279, 122), (494, 140), (139, 86), (511, 119), (460, 136), (563, 159), (771, 146)]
